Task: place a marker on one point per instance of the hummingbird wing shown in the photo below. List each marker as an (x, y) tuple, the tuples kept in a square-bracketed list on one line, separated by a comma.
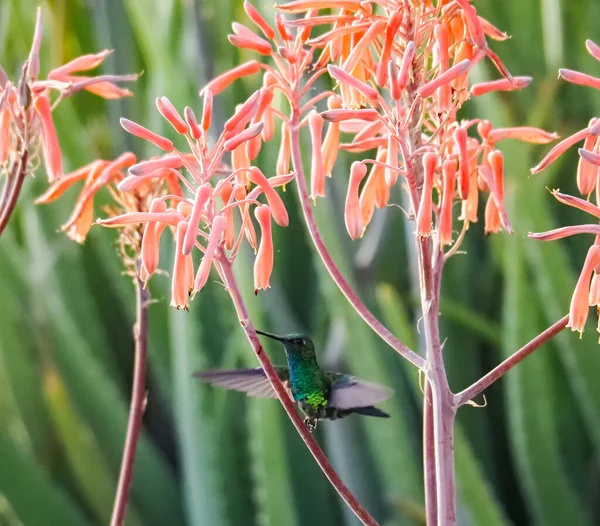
[(348, 392), (253, 382)]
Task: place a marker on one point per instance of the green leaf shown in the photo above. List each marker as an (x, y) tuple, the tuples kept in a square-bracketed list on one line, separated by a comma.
[(31, 492), (89, 467)]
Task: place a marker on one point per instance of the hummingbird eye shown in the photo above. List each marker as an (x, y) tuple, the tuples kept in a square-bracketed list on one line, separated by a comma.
[(298, 341)]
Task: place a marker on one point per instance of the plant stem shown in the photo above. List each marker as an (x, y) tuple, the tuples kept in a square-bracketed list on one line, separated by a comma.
[(137, 406), (332, 268), (429, 454), (483, 383), (284, 397), (12, 189), (443, 410)]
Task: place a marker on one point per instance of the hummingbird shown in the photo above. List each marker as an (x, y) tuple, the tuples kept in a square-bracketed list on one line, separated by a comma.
[(320, 395)]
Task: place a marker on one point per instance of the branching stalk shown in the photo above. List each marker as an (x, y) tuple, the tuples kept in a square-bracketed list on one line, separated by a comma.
[(429, 455), (137, 405), (12, 189), (332, 268), (284, 397), (480, 385)]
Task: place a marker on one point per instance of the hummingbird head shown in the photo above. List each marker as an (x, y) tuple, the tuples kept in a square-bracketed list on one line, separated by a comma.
[(295, 343)]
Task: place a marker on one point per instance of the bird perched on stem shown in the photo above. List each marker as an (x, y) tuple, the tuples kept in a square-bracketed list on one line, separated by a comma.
[(320, 395)]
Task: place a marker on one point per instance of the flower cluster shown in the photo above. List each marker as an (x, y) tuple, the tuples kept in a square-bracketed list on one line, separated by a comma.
[(401, 84), (26, 108), (587, 290), (203, 215), (26, 123)]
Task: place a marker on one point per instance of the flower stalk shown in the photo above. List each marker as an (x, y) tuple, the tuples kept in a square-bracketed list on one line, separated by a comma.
[(228, 276), (137, 405)]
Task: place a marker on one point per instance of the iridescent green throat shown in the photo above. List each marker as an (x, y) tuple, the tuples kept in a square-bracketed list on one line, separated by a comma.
[(306, 379)]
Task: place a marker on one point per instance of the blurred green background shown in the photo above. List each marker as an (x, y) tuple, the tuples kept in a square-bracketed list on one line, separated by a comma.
[(208, 457)]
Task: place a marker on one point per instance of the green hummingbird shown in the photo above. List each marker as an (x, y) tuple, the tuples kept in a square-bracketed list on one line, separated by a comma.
[(320, 395)]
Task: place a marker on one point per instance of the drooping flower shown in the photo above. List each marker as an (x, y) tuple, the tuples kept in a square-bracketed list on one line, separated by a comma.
[(26, 121)]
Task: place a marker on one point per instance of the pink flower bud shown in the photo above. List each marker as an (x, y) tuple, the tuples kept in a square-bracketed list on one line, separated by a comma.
[(593, 49), (482, 88), (575, 77), (207, 108), (579, 309), (192, 123), (218, 227), (33, 63), (243, 136), (345, 78), (4, 134), (445, 229), (50, 145), (522, 133), (405, 66), (218, 84), (278, 210), (425, 205), (317, 171), (559, 149), (361, 47), (257, 18), (587, 172), (144, 133), (352, 212), (180, 284), (82, 63), (228, 197), (391, 173), (244, 113), (447, 76), (203, 194), (375, 192), (246, 39), (344, 115), (460, 138), (168, 111), (149, 167), (381, 75), (263, 266), (283, 158), (151, 239)]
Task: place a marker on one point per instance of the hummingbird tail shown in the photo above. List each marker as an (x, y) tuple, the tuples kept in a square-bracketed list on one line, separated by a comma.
[(370, 410)]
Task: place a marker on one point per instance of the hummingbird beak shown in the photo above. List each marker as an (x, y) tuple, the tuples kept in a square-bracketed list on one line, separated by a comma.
[(272, 336)]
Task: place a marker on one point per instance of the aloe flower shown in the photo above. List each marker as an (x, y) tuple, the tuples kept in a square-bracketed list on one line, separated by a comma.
[(201, 213), (587, 289), (26, 119)]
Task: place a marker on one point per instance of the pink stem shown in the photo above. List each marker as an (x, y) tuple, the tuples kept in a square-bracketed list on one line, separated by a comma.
[(12, 189), (137, 406), (471, 392), (429, 455), (443, 408), (335, 273), (285, 399)]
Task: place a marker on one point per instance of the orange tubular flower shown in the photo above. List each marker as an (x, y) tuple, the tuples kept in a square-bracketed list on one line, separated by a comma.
[(97, 175), (579, 309), (218, 228), (181, 283), (426, 204), (586, 294), (449, 172), (352, 213), (317, 171), (263, 266)]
